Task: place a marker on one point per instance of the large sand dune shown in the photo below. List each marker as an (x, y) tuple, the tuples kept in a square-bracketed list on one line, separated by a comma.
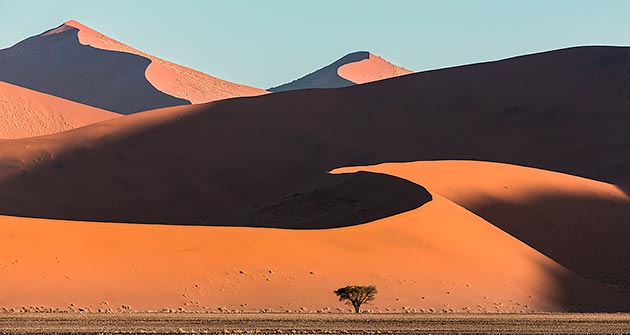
[(354, 68), (236, 161), (27, 113), (77, 63), (193, 163), (439, 256)]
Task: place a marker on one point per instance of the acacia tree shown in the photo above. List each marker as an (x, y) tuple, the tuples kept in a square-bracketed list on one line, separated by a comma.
[(356, 295)]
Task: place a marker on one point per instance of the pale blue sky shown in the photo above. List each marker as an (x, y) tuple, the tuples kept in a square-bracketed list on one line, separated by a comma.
[(266, 43)]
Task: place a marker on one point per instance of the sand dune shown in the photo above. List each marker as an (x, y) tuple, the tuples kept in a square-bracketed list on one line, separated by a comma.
[(354, 68), (427, 258), (75, 62), (562, 111), (250, 151), (27, 113), (170, 78), (580, 223)]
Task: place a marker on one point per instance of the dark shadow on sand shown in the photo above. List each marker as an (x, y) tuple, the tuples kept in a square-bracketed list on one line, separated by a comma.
[(333, 201), (593, 243)]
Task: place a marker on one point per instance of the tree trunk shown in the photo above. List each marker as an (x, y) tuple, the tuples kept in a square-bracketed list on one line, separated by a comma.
[(356, 308)]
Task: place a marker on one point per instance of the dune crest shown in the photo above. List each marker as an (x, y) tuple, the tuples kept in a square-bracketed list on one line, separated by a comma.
[(28, 113), (170, 78), (579, 223), (354, 68), (77, 63)]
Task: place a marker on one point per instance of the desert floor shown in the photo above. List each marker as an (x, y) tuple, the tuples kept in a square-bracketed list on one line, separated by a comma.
[(255, 323)]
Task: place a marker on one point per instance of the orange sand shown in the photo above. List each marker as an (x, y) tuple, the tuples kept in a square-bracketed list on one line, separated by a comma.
[(438, 256), (27, 113), (169, 78), (467, 182), (371, 69), (580, 223)]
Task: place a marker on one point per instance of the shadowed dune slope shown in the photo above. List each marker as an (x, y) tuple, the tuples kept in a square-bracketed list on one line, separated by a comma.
[(77, 63), (334, 201), (561, 111), (27, 113), (426, 258), (354, 68), (580, 223)]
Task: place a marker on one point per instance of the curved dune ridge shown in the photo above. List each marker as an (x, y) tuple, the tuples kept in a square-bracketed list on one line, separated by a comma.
[(176, 80), (580, 223), (77, 63), (27, 113), (354, 68), (436, 257)]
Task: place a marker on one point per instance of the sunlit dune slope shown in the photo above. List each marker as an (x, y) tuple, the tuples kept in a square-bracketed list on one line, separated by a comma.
[(438, 256), (27, 113), (580, 223)]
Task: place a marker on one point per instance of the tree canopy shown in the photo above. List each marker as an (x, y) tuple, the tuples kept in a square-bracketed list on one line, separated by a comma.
[(356, 295)]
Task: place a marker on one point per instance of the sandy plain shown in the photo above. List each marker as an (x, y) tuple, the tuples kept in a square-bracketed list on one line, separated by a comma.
[(185, 323)]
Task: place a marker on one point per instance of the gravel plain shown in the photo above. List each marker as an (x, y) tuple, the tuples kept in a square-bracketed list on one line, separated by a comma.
[(259, 323)]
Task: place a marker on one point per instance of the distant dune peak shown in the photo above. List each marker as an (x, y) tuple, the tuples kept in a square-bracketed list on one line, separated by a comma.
[(78, 63), (354, 68), (170, 78), (173, 79)]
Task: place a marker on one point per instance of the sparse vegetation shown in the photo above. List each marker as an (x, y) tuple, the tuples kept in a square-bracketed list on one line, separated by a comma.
[(356, 295)]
